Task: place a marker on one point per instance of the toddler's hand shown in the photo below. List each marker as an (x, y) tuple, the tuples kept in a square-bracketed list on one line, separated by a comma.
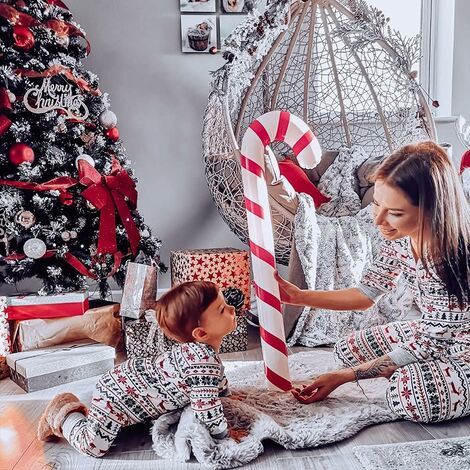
[(237, 434)]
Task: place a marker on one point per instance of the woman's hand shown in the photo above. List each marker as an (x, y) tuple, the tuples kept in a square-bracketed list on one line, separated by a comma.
[(237, 434), (290, 294), (321, 387)]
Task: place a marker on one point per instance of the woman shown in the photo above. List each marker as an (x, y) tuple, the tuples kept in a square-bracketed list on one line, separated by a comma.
[(421, 211)]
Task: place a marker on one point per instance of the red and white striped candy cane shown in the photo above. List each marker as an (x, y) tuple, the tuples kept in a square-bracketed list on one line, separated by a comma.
[(272, 126)]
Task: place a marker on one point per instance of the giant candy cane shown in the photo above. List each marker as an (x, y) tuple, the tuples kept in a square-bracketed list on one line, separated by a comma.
[(270, 127)]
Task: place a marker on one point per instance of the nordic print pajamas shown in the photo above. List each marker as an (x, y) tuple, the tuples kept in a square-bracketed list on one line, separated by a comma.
[(433, 352), (141, 389)]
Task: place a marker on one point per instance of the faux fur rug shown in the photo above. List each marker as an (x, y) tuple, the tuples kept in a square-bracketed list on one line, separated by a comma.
[(439, 454), (273, 415)]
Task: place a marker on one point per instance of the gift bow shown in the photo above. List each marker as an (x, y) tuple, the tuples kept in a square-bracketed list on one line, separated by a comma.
[(107, 194)]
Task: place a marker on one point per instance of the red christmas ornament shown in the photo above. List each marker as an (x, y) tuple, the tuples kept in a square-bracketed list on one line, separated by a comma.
[(112, 134), (23, 37), (20, 153)]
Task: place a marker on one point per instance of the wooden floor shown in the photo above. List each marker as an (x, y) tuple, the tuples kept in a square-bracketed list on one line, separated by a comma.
[(20, 450)]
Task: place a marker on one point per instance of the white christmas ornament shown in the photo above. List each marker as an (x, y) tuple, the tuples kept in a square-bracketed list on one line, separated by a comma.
[(108, 119), (65, 236), (73, 234), (86, 157), (34, 248)]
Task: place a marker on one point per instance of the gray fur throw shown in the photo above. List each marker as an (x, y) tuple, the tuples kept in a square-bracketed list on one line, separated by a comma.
[(272, 415)]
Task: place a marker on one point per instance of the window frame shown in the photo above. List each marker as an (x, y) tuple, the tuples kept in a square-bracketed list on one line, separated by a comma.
[(436, 64)]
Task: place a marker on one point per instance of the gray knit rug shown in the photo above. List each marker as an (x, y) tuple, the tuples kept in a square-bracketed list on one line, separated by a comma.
[(272, 415), (439, 454)]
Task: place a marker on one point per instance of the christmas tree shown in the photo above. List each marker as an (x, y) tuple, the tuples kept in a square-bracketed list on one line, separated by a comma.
[(67, 192)]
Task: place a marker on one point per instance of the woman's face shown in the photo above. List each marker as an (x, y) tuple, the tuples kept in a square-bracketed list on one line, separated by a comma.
[(394, 214)]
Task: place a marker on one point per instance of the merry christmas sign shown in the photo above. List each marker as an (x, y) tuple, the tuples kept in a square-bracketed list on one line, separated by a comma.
[(49, 96)]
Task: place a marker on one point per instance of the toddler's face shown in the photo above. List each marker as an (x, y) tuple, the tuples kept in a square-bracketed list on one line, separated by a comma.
[(218, 319)]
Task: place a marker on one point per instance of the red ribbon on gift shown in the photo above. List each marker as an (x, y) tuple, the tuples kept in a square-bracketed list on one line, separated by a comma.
[(107, 194), (55, 70)]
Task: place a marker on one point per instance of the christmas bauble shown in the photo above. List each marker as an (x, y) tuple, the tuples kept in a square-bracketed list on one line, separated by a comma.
[(112, 134), (108, 119), (34, 248), (65, 236), (85, 157), (25, 218), (23, 38), (73, 234), (21, 153)]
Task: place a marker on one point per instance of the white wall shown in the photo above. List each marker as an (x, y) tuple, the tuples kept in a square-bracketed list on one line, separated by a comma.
[(159, 96)]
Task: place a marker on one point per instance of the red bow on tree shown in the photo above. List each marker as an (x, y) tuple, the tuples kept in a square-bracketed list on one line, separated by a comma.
[(108, 194)]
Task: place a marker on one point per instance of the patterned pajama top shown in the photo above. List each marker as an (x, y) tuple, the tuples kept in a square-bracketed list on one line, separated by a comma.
[(443, 329), (191, 373)]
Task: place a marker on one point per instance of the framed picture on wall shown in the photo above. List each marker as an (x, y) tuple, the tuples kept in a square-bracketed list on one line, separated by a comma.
[(242, 6), (227, 23), (198, 33), (197, 6)]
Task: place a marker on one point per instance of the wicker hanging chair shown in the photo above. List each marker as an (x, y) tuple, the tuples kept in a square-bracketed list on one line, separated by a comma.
[(335, 63)]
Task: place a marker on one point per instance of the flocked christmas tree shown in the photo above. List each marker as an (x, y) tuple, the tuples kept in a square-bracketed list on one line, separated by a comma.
[(67, 192)]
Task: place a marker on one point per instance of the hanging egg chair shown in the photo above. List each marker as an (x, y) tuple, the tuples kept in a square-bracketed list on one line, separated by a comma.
[(336, 64)]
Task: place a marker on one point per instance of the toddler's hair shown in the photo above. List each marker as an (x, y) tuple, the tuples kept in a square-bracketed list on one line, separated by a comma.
[(180, 309)]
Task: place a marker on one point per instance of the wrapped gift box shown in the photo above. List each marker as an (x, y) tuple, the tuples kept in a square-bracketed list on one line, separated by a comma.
[(140, 290), (101, 324), (226, 267), (237, 340), (5, 344), (144, 338), (48, 367), (24, 307)]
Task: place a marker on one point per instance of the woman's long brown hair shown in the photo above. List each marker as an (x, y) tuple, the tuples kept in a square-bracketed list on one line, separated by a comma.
[(424, 172)]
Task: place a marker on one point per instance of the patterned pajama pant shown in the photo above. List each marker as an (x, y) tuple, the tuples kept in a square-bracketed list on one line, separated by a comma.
[(94, 434), (425, 392)]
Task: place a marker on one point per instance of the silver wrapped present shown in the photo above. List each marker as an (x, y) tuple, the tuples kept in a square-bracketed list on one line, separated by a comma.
[(48, 367), (140, 290)]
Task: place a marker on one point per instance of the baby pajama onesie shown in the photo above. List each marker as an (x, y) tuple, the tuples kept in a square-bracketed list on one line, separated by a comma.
[(141, 389), (433, 352)]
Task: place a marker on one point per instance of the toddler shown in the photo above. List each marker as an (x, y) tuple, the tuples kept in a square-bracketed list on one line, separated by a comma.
[(194, 314)]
